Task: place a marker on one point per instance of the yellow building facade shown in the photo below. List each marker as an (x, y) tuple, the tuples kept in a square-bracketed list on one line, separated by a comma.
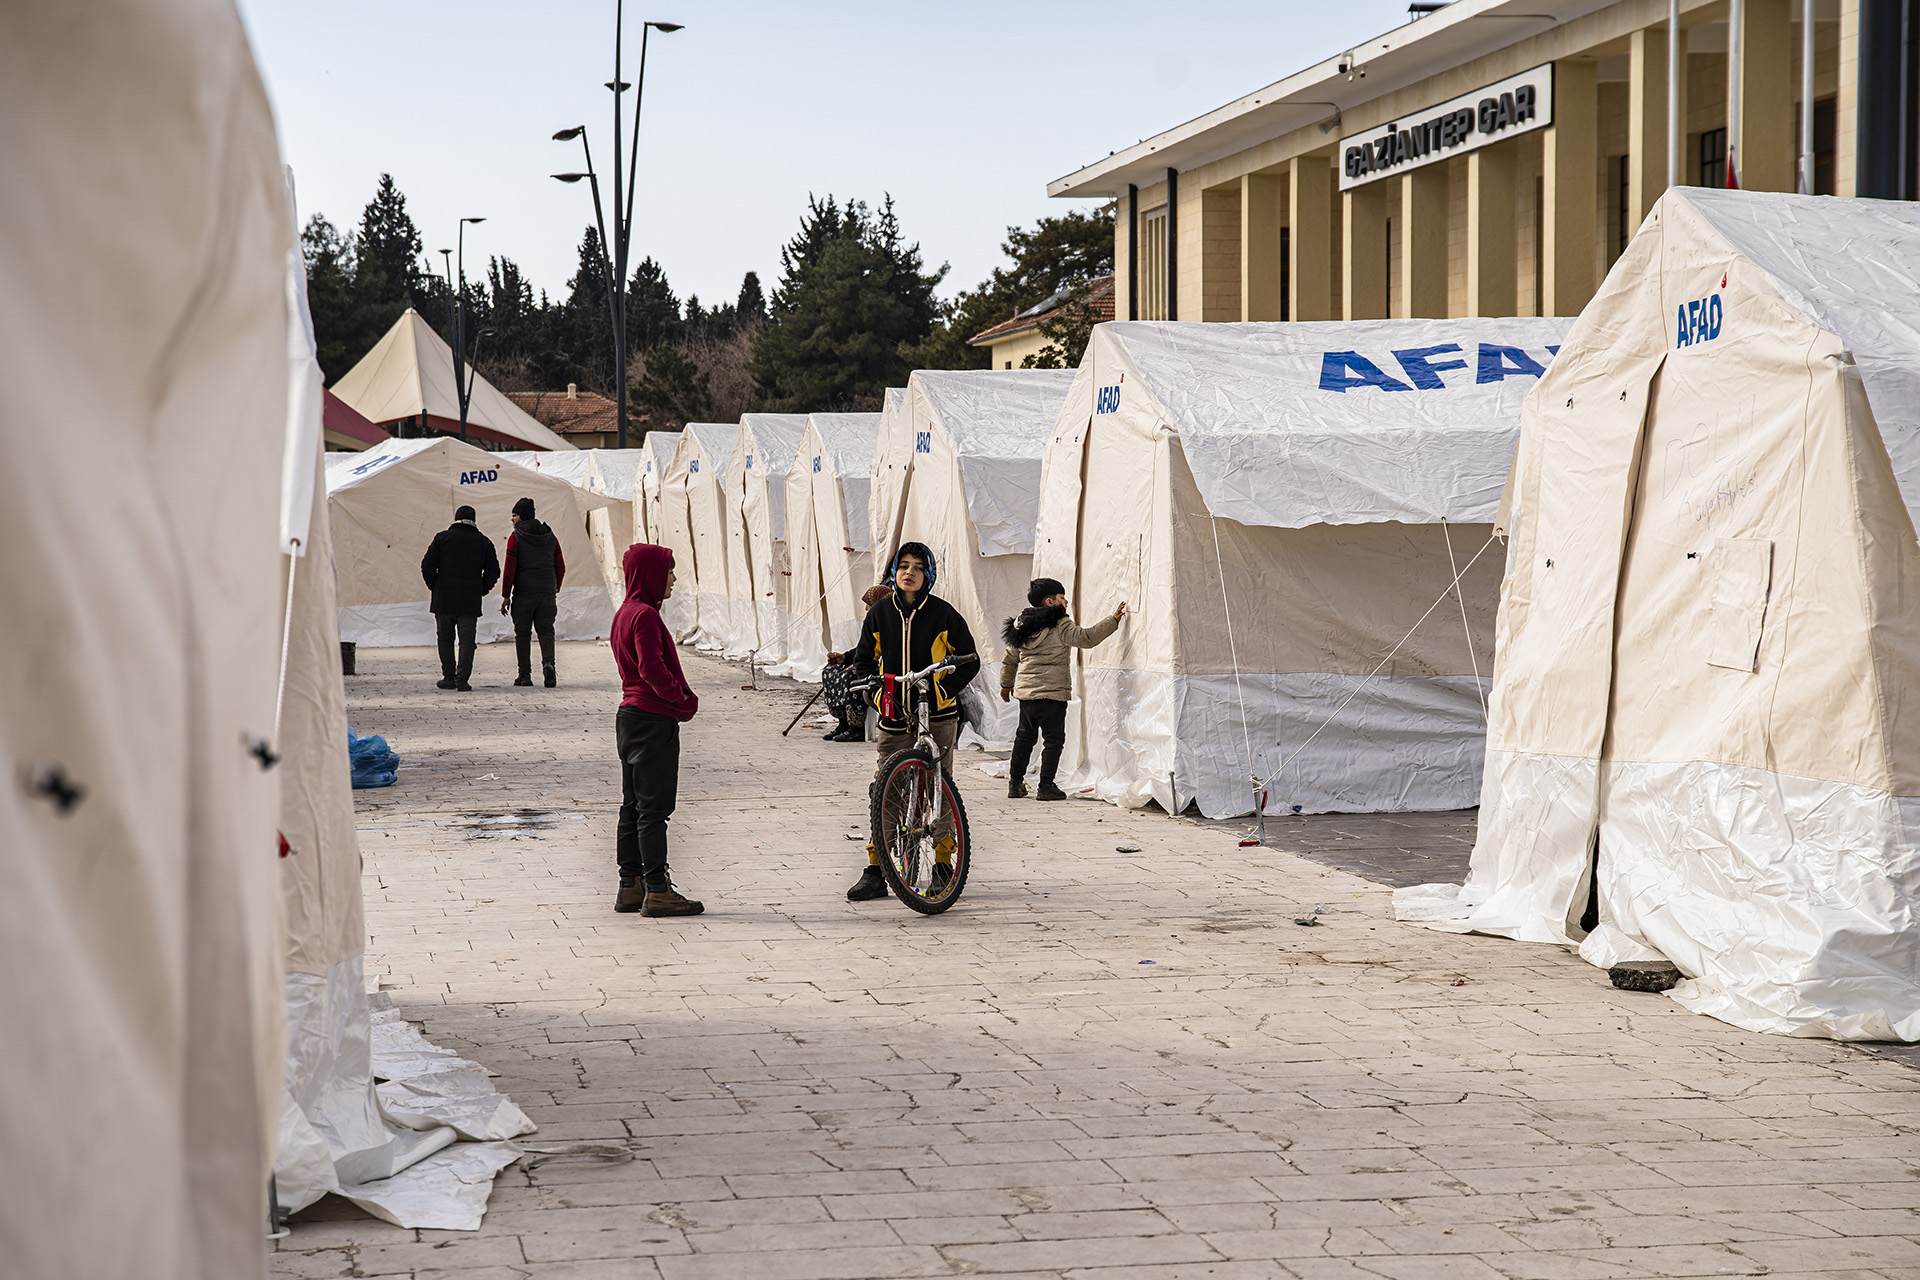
[(1494, 158)]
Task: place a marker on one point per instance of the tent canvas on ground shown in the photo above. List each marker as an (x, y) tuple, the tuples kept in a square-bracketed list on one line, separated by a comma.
[(831, 563), (386, 506), (969, 488), (1707, 634), (1283, 507), (756, 493)]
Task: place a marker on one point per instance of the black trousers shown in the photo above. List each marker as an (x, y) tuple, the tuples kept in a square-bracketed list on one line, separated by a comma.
[(649, 747), (530, 616), (447, 625), (1040, 718)]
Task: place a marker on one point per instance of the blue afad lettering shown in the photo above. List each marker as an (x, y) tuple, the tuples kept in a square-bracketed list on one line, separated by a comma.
[(1107, 399), (1344, 370), (478, 477), (1698, 321), (923, 442), (693, 466), (816, 464), (1498, 363)]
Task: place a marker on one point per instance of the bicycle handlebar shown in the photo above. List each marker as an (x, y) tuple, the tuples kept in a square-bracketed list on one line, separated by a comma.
[(948, 663)]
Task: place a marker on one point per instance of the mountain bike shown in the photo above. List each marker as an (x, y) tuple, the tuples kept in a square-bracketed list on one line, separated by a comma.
[(917, 812)]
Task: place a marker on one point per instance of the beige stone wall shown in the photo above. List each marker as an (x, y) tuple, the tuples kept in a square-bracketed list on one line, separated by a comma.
[(1008, 353), (1211, 204)]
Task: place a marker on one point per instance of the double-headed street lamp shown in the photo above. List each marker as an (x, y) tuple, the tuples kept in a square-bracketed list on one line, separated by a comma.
[(616, 270)]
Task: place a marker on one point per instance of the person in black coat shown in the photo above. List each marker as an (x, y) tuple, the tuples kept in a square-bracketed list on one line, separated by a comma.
[(530, 591), (460, 567)]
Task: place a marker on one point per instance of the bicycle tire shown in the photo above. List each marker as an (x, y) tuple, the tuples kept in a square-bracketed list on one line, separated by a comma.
[(901, 865)]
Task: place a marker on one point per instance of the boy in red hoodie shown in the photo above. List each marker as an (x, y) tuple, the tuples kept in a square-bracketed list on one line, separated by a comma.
[(656, 700)]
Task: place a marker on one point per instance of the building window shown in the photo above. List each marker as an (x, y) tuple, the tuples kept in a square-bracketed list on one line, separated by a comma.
[(1713, 158), (1286, 273), (1153, 264), (1620, 203), (1823, 146)]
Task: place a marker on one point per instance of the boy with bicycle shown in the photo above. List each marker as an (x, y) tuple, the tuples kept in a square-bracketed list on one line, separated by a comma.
[(909, 630)]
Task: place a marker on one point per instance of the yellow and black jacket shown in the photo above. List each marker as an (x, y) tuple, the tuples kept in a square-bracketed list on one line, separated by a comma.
[(897, 638)]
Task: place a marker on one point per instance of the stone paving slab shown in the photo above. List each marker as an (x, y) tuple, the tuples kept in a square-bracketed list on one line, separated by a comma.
[(1100, 1065)]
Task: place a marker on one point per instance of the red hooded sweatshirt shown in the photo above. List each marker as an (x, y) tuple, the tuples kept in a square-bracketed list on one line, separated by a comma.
[(643, 648)]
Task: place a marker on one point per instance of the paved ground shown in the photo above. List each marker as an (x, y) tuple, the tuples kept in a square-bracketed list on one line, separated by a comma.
[(1102, 1064)]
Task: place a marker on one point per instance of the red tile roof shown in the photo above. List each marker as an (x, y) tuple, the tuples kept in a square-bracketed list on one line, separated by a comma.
[(585, 411), (1100, 294)]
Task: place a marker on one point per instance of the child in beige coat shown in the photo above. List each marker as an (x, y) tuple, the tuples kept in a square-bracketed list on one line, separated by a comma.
[(1038, 670)]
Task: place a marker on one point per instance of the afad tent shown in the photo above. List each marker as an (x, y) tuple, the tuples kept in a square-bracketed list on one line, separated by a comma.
[(609, 473), (656, 451), (887, 474), (406, 381), (1283, 507), (830, 557), (387, 504), (970, 489), (694, 515), (756, 493), (141, 1021), (1707, 633)]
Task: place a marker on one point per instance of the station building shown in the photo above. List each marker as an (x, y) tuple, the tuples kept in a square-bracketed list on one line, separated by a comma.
[(1493, 157)]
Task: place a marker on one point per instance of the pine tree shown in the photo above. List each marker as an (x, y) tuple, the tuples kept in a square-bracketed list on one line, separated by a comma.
[(1056, 252), (329, 259), (752, 306), (673, 390), (653, 313), (853, 293), (388, 252)]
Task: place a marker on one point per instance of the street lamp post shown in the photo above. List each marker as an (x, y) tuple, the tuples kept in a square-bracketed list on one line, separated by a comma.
[(462, 385), (622, 207)]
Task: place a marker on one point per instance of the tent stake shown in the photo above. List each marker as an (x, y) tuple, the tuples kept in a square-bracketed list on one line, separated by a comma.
[(1173, 792)]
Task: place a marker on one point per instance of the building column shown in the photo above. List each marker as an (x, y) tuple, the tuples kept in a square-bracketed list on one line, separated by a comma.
[(1363, 267), (1846, 103), (1570, 190), (1766, 158), (1647, 119), (1263, 201), (1420, 292), (1491, 278), (1310, 238), (1221, 261)]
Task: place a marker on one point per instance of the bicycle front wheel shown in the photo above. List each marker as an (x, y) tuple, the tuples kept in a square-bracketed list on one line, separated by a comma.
[(923, 857)]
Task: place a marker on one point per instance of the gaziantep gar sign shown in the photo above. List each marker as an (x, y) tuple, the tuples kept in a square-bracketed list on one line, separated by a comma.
[(1519, 104)]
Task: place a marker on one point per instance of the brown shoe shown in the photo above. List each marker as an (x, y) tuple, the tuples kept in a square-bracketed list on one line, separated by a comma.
[(668, 902), (633, 896)]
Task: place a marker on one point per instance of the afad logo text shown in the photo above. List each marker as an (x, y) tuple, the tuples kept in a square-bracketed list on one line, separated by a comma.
[(1422, 366), (479, 477)]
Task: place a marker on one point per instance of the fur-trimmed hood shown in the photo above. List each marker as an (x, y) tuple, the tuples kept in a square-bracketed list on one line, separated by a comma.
[(1031, 623)]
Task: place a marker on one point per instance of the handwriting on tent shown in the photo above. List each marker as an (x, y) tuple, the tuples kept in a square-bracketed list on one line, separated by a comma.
[(1344, 370)]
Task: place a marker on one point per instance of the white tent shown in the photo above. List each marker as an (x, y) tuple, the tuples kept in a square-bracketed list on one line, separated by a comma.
[(962, 470), (887, 474), (756, 494), (144, 236), (612, 474), (1707, 629), (656, 451), (388, 503), (694, 511), (409, 375), (1281, 505), (830, 557)]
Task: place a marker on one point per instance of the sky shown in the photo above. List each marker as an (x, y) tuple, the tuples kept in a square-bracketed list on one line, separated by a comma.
[(963, 112)]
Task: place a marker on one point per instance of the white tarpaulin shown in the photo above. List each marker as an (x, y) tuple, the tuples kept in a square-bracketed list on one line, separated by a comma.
[(756, 495), (1706, 630), (1364, 462), (388, 503), (887, 474), (964, 474), (831, 562), (144, 234), (409, 373), (694, 516)]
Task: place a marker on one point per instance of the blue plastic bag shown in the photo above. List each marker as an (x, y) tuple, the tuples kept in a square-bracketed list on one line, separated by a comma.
[(373, 763)]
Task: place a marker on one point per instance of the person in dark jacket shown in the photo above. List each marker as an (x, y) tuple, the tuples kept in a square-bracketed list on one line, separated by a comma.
[(655, 701), (460, 567), (530, 589), (907, 631)]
